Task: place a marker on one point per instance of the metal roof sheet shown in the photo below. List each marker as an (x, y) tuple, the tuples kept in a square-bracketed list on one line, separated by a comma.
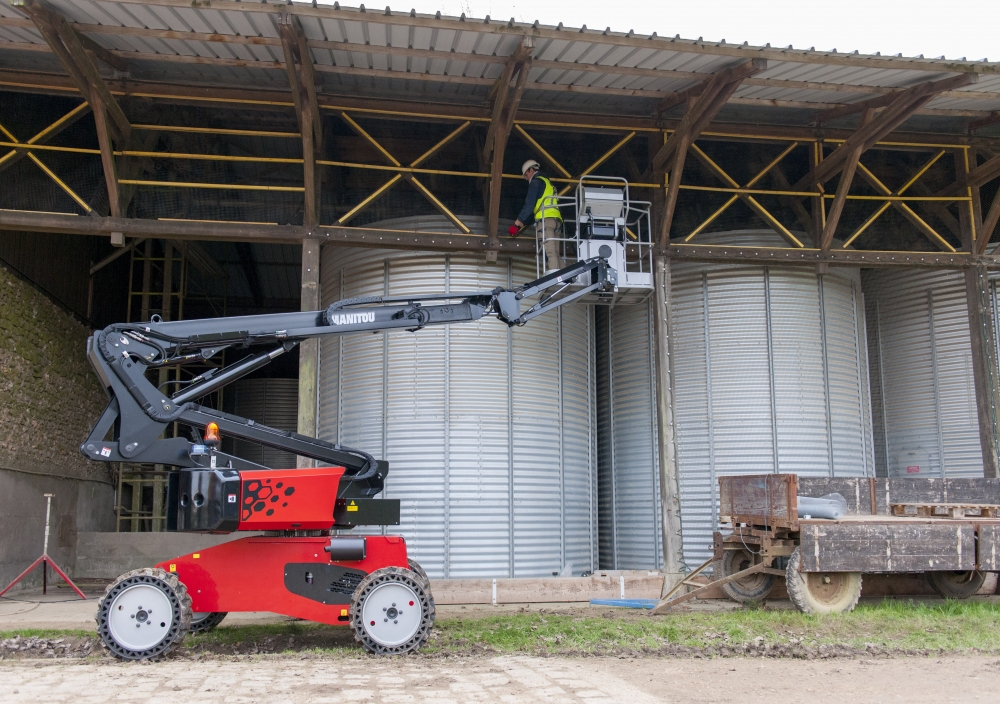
[(456, 59)]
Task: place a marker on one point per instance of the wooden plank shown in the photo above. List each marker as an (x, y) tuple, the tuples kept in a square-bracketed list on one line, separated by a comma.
[(989, 547), (759, 499), (854, 489), (247, 232), (900, 546), (638, 585), (946, 510)]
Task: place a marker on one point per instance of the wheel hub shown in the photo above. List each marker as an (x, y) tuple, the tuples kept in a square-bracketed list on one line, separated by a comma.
[(826, 586), (140, 617), (392, 614)]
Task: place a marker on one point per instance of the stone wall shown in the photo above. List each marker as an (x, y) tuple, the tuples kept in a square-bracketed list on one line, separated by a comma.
[(49, 398)]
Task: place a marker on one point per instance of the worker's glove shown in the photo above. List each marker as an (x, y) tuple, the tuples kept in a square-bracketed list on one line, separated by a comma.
[(513, 230)]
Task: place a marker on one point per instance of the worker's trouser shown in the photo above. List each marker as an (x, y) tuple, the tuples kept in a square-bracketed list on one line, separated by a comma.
[(550, 244)]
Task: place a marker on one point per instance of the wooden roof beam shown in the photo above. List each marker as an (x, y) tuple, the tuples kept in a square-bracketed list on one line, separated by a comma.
[(505, 105), (984, 173), (64, 41), (699, 114), (992, 119), (867, 135), (714, 94)]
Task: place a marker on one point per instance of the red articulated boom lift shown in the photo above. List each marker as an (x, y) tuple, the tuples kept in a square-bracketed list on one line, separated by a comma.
[(298, 568)]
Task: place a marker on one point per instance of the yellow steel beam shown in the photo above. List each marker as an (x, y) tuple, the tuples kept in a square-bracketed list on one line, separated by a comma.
[(218, 186), (894, 197), (777, 160), (440, 206), (604, 157), (708, 221), (397, 166), (541, 150), (364, 204), (754, 204), (69, 191), (46, 132), (217, 130), (49, 172), (440, 145), (864, 226), (371, 140)]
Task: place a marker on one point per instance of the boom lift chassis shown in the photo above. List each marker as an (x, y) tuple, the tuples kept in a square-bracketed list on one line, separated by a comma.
[(298, 567)]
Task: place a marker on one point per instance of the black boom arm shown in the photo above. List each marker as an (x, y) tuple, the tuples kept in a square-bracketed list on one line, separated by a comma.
[(131, 426)]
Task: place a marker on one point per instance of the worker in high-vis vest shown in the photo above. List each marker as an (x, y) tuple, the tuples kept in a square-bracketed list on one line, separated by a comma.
[(540, 209)]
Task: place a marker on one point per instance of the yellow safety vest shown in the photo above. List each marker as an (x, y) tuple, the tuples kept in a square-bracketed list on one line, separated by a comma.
[(549, 211)]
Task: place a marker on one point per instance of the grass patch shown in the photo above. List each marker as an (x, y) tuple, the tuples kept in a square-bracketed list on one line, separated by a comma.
[(890, 626), (887, 626), (45, 633)]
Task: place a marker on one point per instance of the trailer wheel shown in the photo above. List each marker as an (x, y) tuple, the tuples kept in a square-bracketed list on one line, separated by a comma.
[(753, 587), (144, 614), (821, 592), (392, 611), (205, 621), (956, 585)]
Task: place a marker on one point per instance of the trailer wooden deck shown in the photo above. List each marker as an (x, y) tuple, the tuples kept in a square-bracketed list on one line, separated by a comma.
[(947, 528)]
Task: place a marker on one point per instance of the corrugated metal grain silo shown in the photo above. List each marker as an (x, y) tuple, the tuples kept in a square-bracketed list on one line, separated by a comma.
[(925, 396), (770, 374), (273, 402), (488, 431)]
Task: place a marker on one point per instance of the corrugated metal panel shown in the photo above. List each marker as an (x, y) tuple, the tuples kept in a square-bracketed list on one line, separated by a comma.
[(770, 375), (814, 82), (631, 536), (273, 402), (487, 430), (929, 396)]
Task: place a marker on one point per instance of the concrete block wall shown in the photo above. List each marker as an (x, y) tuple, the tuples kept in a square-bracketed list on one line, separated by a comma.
[(49, 399)]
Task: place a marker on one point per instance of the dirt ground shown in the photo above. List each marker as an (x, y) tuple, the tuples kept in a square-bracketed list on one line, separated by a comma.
[(307, 680)]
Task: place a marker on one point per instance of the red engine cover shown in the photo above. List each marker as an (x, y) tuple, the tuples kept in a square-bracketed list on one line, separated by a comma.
[(290, 576), (290, 499)]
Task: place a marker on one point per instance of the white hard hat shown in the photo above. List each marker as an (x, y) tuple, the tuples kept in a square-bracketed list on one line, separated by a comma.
[(530, 164)]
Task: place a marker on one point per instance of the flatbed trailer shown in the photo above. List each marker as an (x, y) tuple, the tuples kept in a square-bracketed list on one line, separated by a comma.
[(947, 529)]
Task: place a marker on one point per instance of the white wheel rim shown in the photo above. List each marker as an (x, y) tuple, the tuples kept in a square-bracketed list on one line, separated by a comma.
[(392, 614), (140, 617), (197, 617)]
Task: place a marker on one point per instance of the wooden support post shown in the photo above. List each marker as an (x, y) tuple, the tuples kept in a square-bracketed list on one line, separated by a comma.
[(298, 62), (673, 557), (840, 199), (505, 107), (107, 160), (309, 349), (984, 365)]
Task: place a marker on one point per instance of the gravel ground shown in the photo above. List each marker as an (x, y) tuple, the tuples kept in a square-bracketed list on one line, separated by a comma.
[(308, 680)]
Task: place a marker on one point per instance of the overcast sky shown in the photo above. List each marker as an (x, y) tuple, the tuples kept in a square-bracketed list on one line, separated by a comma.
[(932, 28)]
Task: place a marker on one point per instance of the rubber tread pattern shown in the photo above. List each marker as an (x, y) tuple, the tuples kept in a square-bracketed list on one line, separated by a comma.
[(208, 623), (798, 589), (389, 575), (180, 602), (952, 585), (736, 590)]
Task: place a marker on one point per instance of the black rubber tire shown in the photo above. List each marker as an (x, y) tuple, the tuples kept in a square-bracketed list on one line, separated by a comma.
[(388, 575), (419, 571), (821, 592), (207, 623), (180, 603), (956, 585), (749, 589)]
